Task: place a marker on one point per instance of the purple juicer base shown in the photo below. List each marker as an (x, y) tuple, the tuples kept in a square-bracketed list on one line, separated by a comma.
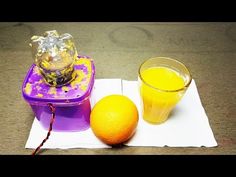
[(67, 119), (71, 102)]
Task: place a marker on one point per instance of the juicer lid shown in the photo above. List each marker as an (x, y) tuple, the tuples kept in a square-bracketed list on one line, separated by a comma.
[(36, 90)]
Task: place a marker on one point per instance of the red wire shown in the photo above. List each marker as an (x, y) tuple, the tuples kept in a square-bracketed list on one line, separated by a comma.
[(53, 109)]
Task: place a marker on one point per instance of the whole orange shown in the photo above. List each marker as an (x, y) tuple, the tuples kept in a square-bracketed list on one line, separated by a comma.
[(114, 119)]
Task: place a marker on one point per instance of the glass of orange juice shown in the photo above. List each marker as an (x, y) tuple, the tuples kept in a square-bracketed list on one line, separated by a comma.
[(162, 83)]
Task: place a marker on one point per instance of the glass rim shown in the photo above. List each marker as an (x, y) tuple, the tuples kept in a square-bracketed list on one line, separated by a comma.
[(171, 59)]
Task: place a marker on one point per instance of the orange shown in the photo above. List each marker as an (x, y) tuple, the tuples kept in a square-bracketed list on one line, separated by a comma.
[(114, 119)]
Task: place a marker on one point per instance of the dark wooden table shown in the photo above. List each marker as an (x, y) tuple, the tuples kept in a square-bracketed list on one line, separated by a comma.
[(208, 50)]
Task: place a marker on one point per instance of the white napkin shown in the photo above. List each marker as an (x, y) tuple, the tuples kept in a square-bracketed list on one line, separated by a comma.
[(187, 127)]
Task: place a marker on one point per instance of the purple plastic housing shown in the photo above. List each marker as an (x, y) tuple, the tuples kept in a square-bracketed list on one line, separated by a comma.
[(71, 101)]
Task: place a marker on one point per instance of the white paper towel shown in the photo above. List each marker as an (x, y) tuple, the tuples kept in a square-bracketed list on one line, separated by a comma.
[(188, 126)]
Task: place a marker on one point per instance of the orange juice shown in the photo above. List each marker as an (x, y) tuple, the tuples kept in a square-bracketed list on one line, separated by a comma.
[(161, 89)]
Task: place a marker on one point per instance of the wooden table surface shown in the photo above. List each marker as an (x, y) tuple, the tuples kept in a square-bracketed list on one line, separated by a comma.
[(208, 50)]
